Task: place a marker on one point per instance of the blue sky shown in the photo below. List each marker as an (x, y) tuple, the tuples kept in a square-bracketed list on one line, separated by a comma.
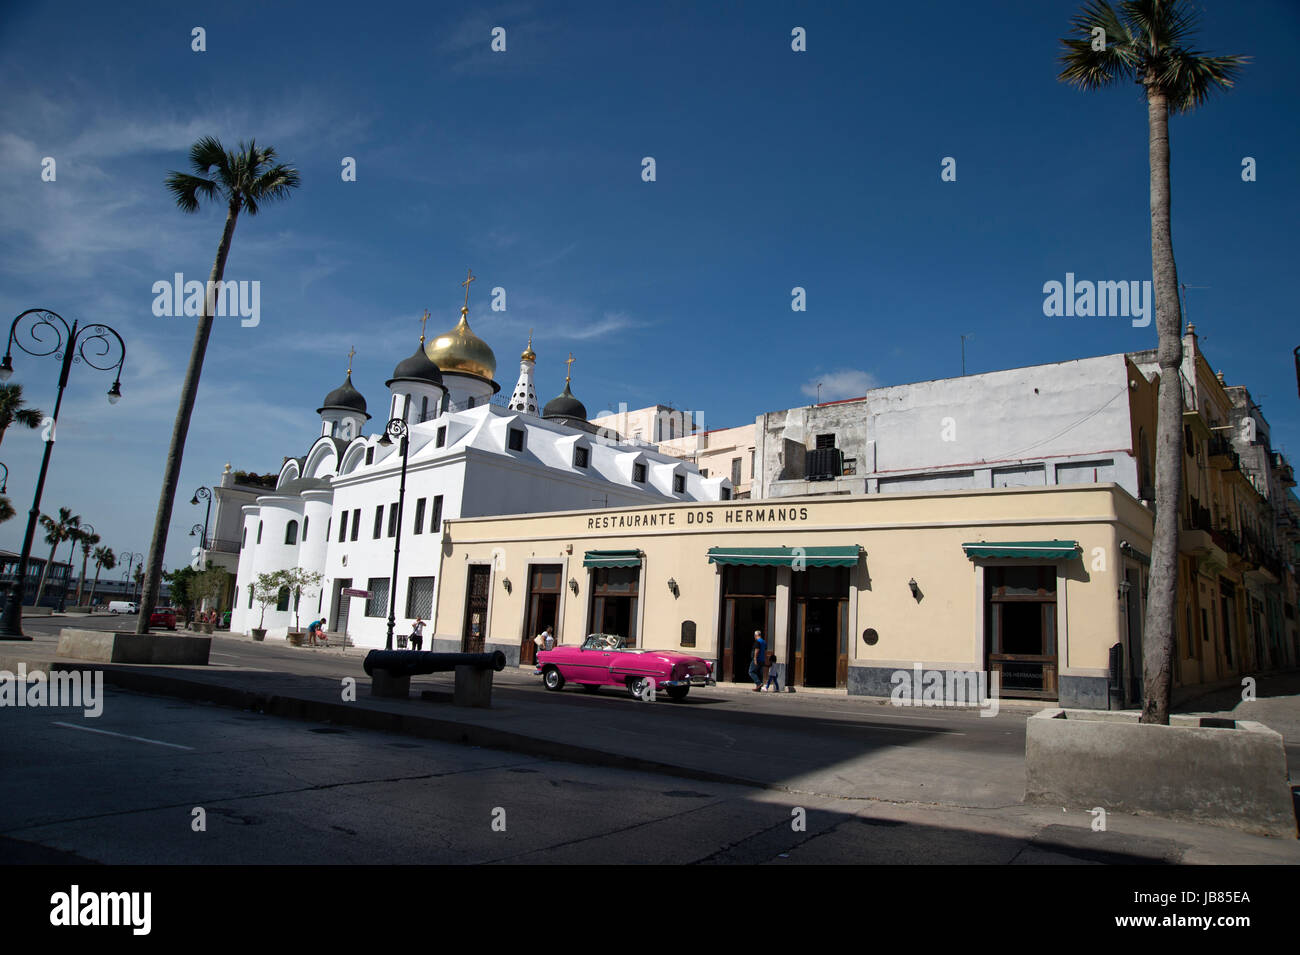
[(775, 169)]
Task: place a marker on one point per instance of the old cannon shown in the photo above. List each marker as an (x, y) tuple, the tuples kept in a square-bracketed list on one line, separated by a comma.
[(390, 672)]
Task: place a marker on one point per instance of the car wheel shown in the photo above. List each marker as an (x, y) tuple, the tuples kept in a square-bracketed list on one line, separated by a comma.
[(591, 687), (552, 679), (636, 687), (678, 692)]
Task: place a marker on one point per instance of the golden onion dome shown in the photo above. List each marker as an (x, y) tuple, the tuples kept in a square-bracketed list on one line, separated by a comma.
[(528, 353), (460, 350)]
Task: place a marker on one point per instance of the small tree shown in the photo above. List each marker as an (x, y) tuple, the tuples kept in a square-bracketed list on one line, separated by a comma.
[(266, 591), (299, 580), (209, 585)]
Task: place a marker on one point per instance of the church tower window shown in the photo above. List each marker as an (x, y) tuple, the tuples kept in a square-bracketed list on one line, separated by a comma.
[(304, 529), (356, 523), (259, 532), (291, 533)]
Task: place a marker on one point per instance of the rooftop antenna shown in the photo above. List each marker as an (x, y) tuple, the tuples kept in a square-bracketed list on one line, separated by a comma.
[(970, 335), (1182, 299)]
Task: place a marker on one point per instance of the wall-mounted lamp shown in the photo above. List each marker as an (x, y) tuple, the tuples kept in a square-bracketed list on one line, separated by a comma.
[(573, 585), (673, 588), (1124, 588), (916, 591), (505, 582)]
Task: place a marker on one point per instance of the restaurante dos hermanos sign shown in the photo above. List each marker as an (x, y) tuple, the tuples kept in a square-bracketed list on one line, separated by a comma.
[(703, 516)]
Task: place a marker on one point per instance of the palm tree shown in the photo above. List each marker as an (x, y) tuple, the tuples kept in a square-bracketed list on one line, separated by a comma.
[(87, 542), (6, 509), (105, 558), (11, 409), (56, 532), (1148, 42), (243, 180)]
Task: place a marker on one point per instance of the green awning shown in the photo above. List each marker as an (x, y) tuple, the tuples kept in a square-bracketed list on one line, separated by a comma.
[(612, 558), (1029, 550), (797, 558)]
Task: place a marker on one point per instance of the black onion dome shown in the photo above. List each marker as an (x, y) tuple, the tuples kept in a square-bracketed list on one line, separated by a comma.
[(344, 398), (418, 367), (564, 405)]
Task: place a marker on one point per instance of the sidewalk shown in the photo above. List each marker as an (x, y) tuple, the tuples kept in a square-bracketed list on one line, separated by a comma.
[(868, 757)]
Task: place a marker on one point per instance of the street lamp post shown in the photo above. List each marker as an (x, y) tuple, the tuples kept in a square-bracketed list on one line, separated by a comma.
[(74, 540), (131, 557), (48, 333), (4, 484), (204, 493), (396, 428)]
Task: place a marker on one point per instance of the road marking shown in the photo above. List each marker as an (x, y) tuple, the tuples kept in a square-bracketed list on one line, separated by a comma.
[(896, 729), (138, 739)]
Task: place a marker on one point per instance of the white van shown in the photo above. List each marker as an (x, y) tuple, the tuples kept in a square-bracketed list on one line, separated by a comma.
[(123, 606)]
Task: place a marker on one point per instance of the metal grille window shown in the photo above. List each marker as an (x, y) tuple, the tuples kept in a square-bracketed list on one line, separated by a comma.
[(419, 515), (377, 602), (379, 520), (580, 457), (679, 484), (638, 473), (356, 522), (442, 437), (392, 519), (419, 598), (435, 523), (825, 441)]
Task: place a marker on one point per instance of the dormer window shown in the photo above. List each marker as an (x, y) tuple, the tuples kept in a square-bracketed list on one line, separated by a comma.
[(638, 473), (679, 483), (515, 439), (581, 457)]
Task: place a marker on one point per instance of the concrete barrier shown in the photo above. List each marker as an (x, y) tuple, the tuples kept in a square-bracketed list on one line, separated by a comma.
[(108, 646), (1221, 772)]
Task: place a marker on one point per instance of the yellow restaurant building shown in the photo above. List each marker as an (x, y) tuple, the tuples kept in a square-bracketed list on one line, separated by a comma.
[(1035, 583)]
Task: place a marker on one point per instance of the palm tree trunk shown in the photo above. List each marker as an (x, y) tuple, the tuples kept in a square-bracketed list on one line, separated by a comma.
[(45, 571), (1162, 597), (189, 391), (95, 585)]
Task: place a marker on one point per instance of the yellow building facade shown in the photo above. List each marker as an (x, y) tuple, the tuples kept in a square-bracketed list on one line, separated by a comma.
[(847, 590)]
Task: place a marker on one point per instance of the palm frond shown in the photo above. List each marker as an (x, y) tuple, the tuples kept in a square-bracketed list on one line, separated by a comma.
[(274, 184), (31, 417), (1089, 69), (187, 189), (1189, 77), (207, 153)]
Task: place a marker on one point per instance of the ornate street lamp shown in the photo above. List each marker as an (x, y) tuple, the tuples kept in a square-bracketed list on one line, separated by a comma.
[(48, 333), (203, 493), (131, 557), (396, 428), (4, 484)]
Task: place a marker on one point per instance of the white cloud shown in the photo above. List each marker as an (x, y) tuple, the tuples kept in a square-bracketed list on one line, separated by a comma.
[(845, 383)]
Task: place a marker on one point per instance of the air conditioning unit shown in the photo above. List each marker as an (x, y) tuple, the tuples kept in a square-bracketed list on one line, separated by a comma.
[(823, 464)]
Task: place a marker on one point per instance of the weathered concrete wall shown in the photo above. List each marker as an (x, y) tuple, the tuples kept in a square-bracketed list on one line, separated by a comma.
[(123, 647), (1193, 769)]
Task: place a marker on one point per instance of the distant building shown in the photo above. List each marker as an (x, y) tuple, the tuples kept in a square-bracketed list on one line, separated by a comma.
[(56, 587)]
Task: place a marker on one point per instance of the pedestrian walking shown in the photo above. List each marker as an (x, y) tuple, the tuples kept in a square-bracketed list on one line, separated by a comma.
[(773, 684), (417, 634), (756, 661), (548, 639)]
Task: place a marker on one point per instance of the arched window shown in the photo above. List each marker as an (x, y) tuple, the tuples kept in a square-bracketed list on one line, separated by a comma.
[(304, 528), (291, 533), (244, 539), (283, 603), (259, 532)]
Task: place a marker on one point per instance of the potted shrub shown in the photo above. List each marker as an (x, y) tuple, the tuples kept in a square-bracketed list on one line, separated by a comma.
[(266, 591)]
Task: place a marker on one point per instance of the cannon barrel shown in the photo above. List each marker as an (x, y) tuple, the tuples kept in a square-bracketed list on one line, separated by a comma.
[(414, 662)]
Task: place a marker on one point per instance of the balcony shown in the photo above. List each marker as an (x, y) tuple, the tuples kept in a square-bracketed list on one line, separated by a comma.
[(223, 546), (1221, 454)]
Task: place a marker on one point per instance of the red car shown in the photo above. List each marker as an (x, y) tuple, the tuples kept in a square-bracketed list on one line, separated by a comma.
[(163, 617), (604, 660)]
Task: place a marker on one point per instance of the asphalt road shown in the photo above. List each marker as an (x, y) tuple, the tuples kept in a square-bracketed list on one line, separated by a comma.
[(129, 786)]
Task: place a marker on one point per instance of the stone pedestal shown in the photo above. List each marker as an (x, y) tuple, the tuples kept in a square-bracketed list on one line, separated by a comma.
[(107, 646), (473, 687), (383, 683)]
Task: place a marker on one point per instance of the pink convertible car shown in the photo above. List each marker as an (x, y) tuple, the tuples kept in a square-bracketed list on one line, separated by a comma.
[(603, 660)]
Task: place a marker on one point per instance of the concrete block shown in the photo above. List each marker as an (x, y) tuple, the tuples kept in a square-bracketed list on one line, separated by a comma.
[(473, 687), (1229, 773), (383, 683), (107, 646)]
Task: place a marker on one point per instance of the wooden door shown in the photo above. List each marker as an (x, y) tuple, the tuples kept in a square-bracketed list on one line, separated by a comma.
[(842, 656), (728, 639), (476, 600), (796, 642)]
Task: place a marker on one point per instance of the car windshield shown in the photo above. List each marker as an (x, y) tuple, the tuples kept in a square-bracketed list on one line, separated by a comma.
[(603, 641)]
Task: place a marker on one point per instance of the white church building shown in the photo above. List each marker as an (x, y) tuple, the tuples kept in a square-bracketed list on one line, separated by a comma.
[(335, 508)]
